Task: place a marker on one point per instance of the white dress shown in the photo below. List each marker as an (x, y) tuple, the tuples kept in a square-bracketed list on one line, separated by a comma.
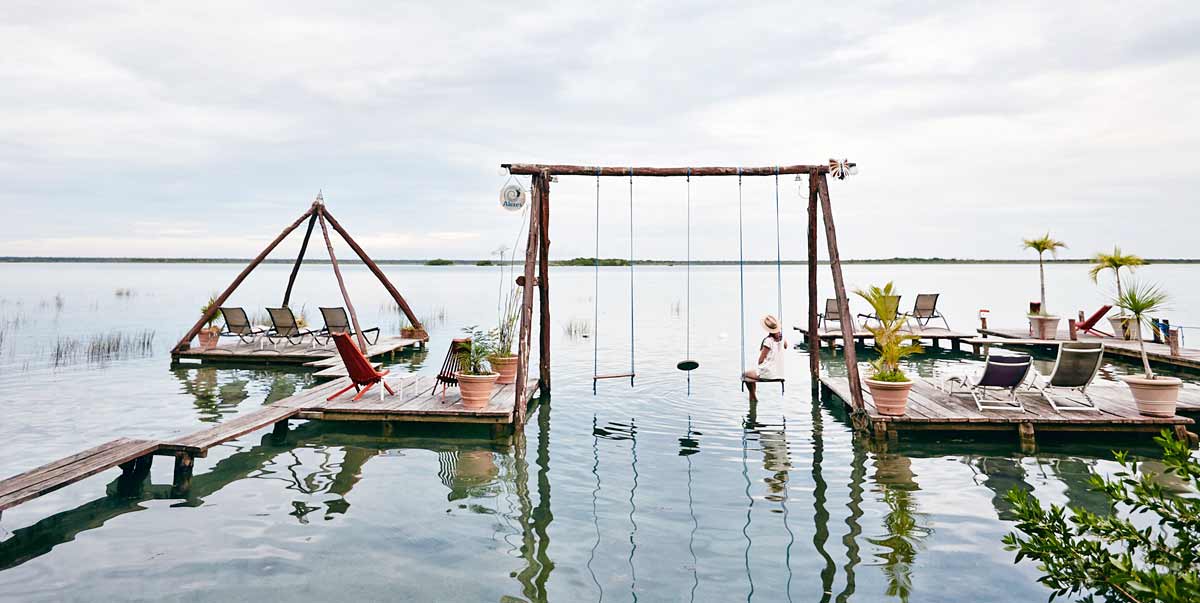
[(772, 366)]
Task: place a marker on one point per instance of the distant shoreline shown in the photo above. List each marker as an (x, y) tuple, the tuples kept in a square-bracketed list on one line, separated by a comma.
[(576, 262)]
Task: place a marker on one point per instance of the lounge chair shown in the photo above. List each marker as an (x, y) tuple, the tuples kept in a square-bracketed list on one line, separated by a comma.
[(1076, 367), (446, 376), (336, 321), (363, 375), (925, 310), (893, 306), (237, 324), (831, 314), (1089, 326), (996, 388), (285, 327)]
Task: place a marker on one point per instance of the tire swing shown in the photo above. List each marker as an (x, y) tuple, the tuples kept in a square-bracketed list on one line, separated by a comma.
[(596, 376)]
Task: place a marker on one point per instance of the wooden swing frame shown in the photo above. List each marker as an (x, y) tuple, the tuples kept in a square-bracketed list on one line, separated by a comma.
[(537, 262)]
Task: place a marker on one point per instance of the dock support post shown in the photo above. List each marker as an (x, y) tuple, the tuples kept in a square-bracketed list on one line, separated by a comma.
[(523, 343), (182, 479), (839, 288), (133, 474), (814, 338), (279, 431), (1025, 433), (544, 288)]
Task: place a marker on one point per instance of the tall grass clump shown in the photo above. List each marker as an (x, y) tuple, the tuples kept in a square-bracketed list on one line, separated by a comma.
[(577, 328), (102, 347)]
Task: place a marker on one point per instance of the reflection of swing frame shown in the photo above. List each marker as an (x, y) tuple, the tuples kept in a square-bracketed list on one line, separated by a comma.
[(537, 250)]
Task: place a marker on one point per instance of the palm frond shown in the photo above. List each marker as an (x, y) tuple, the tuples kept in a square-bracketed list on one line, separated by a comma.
[(1043, 244)]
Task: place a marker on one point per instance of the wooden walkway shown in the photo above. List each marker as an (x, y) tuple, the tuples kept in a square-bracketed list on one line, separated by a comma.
[(416, 400), (934, 335), (930, 408), (232, 350), (1188, 358)]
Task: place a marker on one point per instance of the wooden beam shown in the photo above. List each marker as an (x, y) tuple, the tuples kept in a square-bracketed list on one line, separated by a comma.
[(543, 285), (523, 345), (814, 338), (287, 294), (583, 170), (362, 340), (374, 268), (241, 277), (839, 289)]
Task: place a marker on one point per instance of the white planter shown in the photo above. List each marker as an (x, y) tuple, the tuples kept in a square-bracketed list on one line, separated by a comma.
[(1043, 327), (1154, 397), (1123, 326), (891, 397)]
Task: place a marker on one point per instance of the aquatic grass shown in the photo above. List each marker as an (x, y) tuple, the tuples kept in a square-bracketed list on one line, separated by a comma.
[(102, 347), (577, 328), (124, 292)]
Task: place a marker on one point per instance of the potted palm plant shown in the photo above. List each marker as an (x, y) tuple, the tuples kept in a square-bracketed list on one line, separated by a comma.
[(503, 359), (475, 375), (1155, 395), (1043, 325), (1122, 324), (888, 384), (211, 333)]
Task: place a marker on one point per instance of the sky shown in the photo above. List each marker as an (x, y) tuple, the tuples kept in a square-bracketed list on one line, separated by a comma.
[(201, 129)]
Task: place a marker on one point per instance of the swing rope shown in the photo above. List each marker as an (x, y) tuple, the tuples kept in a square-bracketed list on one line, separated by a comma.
[(596, 293), (596, 376), (631, 321), (741, 281), (778, 253)]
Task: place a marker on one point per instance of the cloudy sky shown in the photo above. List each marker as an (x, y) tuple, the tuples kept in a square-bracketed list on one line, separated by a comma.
[(200, 129)]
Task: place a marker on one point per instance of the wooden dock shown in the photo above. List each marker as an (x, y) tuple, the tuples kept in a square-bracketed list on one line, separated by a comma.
[(933, 335), (1159, 353), (416, 400), (931, 409), (262, 352)]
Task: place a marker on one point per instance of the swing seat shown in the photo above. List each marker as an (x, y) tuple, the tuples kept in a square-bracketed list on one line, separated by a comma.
[(687, 365), (614, 376), (782, 382)]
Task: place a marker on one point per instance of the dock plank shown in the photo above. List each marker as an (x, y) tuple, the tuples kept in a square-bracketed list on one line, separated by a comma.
[(52, 476), (200, 442)]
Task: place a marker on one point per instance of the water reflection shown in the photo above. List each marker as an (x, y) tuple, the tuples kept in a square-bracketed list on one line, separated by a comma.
[(217, 392), (905, 527)]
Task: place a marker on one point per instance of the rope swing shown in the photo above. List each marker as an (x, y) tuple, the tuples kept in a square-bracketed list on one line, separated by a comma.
[(742, 278), (596, 376), (687, 364)]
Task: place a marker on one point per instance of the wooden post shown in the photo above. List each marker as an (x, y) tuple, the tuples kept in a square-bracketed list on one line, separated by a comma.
[(374, 268), (287, 294), (241, 277), (531, 252), (182, 479), (839, 288), (543, 284), (1026, 435), (1072, 329), (814, 338), (362, 340)]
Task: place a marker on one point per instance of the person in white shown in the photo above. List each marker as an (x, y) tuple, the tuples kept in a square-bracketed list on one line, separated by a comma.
[(770, 357)]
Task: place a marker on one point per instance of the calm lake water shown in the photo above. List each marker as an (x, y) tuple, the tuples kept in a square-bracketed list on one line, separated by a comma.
[(645, 493)]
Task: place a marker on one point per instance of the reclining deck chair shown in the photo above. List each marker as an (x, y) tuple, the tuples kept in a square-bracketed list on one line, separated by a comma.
[(893, 306), (337, 321), (996, 388), (1089, 326), (285, 327), (237, 324), (925, 310), (830, 315), (451, 365), (1074, 369), (363, 375)]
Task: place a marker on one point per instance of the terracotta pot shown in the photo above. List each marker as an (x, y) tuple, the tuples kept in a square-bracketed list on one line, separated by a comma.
[(476, 389), (1155, 397), (412, 333), (890, 397), (1123, 326), (208, 338), (507, 366), (1044, 327)]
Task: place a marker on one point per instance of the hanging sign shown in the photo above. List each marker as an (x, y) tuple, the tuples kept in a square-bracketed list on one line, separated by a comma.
[(512, 197)]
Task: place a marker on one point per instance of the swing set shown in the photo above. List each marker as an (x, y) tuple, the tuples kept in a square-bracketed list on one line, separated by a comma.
[(537, 264)]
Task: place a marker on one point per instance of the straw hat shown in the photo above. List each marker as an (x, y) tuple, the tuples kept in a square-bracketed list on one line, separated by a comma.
[(771, 324)]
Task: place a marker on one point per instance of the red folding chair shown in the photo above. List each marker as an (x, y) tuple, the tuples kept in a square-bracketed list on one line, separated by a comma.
[(1089, 326), (363, 376)]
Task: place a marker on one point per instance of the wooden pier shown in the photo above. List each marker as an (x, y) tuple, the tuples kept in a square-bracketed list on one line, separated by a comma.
[(1159, 353), (417, 400), (933, 335), (931, 409), (262, 352)]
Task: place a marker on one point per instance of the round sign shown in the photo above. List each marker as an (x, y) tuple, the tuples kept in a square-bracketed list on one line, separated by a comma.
[(512, 197)]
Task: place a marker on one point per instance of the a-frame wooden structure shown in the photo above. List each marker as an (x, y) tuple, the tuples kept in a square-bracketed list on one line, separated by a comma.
[(538, 249), (316, 214)]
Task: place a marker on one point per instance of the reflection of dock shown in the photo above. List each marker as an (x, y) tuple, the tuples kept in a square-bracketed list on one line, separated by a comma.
[(1159, 353), (416, 400), (933, 335), (931, 409), (262, 352)]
